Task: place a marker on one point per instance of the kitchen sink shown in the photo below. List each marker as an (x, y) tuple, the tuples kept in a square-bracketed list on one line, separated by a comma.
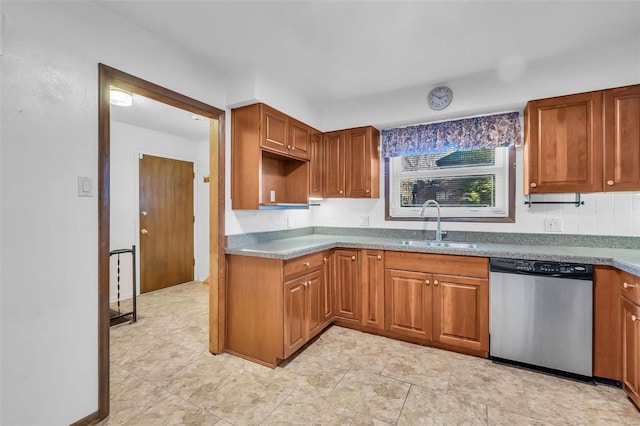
[(437, 244)]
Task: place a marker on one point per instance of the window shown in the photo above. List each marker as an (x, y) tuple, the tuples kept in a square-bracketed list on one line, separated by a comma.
[(474, 185)]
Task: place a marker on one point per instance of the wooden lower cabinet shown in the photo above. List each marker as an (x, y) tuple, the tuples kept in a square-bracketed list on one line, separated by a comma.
[(326, 291), (451, 311), (408, 302), (274, 307), (372, 287), (303, 313), (345, 285), (606, 323), (461, 312), (630, 335)]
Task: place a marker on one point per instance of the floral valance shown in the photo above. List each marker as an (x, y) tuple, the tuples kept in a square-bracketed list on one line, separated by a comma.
[(490, 131)]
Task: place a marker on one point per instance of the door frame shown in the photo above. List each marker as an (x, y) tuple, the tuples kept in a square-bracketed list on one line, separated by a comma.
[(108, 76)]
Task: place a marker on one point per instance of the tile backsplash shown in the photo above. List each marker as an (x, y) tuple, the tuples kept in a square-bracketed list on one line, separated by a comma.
[(613, 213)]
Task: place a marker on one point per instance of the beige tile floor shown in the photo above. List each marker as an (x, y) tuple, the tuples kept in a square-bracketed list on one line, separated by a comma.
[(162, 374)]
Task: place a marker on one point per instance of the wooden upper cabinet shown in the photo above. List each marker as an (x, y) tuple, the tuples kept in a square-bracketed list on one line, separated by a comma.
[(352, 163), (299, 139), (563, 144), (362, 163), (264, 171), (334, 164), (275, 129), (622, 139), (316, 165)]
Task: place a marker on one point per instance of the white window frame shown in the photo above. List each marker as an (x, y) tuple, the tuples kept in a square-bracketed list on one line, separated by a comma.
[(500, 169)]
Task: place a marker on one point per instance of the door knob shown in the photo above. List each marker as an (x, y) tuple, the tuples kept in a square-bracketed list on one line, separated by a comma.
[(379, 257), (144, 232), (634, 318), (435, 282), (143, 213), (533, 184), (427, 282), (610, 182), (353, 258)]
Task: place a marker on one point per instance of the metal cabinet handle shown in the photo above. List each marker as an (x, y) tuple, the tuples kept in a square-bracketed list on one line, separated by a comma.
[(634, 318), (324, 259), (533, 184), (435, 282), (379, 257), (627, 285), (341, 191), (143, 213), (306, 264), (610, 182), (367, 191), (427, 282), (144, 232), (353, 258)]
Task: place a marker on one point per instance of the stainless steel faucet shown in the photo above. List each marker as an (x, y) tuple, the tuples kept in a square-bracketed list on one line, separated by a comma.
[(424, 206)]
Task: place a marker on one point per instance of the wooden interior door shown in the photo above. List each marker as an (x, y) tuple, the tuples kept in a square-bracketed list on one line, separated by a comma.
[(166, 222)]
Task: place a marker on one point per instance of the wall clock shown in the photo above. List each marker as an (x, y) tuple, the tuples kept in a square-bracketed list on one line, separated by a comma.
[(439, 98)]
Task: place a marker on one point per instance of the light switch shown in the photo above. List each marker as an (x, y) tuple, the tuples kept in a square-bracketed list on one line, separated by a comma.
[(85, 186)]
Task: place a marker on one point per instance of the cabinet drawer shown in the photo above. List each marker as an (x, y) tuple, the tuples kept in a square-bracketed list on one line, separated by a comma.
[(301, 265), (630, 287), (447, 264)]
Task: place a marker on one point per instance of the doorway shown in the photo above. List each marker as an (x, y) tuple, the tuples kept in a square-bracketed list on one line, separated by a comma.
[(109, 77)]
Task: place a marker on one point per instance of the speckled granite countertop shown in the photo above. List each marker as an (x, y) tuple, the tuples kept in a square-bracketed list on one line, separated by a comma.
[(288, 248)]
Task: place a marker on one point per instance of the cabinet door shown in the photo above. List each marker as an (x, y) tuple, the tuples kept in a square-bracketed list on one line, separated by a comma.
[(346, 284), (326, 293), (563, 145), (295, 325), (317, 165), (408, 303), (299, 139), (461, 312), (372, 282), (334, 164), (358, 162), (274, 129), (622, 139), (314, 311), (631, 350)]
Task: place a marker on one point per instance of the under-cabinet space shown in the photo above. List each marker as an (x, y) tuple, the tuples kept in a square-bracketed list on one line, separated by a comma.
[(284, 180)]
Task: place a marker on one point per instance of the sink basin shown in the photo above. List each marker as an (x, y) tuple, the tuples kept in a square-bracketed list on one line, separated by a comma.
[(437, 244)]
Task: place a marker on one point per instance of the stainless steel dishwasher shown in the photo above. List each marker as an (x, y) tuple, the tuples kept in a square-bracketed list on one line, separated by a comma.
[(541, 315)]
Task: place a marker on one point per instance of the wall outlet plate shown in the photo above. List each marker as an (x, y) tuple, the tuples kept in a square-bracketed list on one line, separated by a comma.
[(553, 224), (364, 220)]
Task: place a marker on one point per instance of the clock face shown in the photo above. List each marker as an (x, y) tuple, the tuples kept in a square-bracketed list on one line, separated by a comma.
[(439, 98)]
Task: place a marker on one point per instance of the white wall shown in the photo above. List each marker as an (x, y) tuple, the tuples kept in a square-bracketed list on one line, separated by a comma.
[(49, 302), (127, 142), (615, 213)]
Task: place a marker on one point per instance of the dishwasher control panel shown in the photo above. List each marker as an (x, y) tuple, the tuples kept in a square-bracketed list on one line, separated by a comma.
[(541, 267)]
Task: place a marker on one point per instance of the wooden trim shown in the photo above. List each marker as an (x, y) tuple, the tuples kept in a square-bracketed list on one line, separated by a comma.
[(511, 218), (107, 77), (91, 419), (607, 311)]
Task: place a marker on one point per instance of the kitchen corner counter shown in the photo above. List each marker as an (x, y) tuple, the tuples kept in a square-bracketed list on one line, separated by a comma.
[(287, 248)]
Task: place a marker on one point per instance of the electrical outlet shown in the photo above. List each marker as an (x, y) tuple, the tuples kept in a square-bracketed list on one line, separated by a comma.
[(290, 222), (553, 224), (364, 220)]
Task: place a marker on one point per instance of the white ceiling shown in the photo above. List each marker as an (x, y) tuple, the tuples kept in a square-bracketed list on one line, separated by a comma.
[(154, 115), (332, 51)]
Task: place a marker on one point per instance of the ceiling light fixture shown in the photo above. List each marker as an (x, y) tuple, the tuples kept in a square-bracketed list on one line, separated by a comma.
[(120, 97)]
